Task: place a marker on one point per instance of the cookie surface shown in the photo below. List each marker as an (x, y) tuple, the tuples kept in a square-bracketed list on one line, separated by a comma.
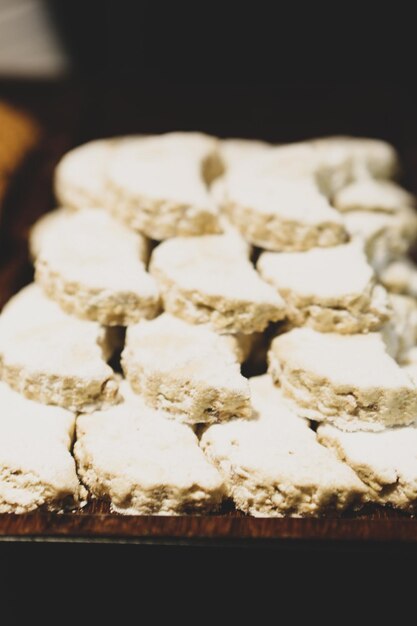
[(386, 461), (209, 280), (144, 463), (328, 289), (159, 185), (234, 151), (79, 176), (329, 167), (367, 157), (400, 333), (281, 214), (94, 267), (188, 371), (373, 195), (273, 464), (36, 466), (400, 276), (385, 237), (53, 358), (349, 380)]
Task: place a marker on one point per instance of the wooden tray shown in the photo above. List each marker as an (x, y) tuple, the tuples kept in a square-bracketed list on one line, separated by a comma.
[(29, 197)]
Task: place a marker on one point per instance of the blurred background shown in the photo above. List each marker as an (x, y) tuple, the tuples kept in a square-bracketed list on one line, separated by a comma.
[(279, 71)]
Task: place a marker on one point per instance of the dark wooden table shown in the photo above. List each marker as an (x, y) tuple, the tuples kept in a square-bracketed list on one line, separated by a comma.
[(72, 113)]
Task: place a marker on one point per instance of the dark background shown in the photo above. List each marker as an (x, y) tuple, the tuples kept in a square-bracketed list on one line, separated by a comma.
[(272, 70)]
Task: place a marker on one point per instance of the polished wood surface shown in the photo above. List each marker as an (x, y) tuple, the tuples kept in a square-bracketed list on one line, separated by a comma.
[(95, 522), (71, 114)]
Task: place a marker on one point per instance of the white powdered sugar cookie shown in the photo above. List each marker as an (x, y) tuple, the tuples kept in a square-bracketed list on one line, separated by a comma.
[(234, 151), (53, 358), (329, 168), (281, 214), (400, 333), (159, 186), (386, 461), (79, 176), (237, 242), (368, 157), (409, 363), (273, 465), (46, 227), (373, 195), (36, 466), (400, 277), (94, 267), (385, 236), (144, 463), (209, 280), (329, 289), (188, 371), (349, 380)]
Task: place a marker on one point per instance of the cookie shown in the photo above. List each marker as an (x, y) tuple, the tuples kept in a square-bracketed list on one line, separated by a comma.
[(373, 195), (53, 358), (329, 168), (385, 237), (234, 151), (209, 280), (237, 241), (159, 186), (188, 371), (144, 463), (273, 465), (281, 214), (328, 289), (94, 267), (409, 363), (349, 380), (36, 466), (368, 157), (386, 461), (79, 179), (400, 276), (400, 333), (46, 227)]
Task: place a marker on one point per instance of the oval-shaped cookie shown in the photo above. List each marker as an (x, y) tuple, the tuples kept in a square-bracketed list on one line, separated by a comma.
[(94, 267), (159, 186), (54, 358), (144, 463), (349, 380), (188, 371), (209, 280), (329, 289)]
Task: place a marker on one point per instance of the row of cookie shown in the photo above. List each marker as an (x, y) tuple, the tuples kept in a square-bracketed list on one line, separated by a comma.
[(324, 286), (190, 371), (193, 373), (280, 214), (95, 269), (162, 186), (352, 381), (274, 464), (84, 175), (376, 211), (144, 463)]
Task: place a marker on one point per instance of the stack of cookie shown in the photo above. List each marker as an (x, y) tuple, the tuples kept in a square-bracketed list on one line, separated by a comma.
[(152, 257)]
